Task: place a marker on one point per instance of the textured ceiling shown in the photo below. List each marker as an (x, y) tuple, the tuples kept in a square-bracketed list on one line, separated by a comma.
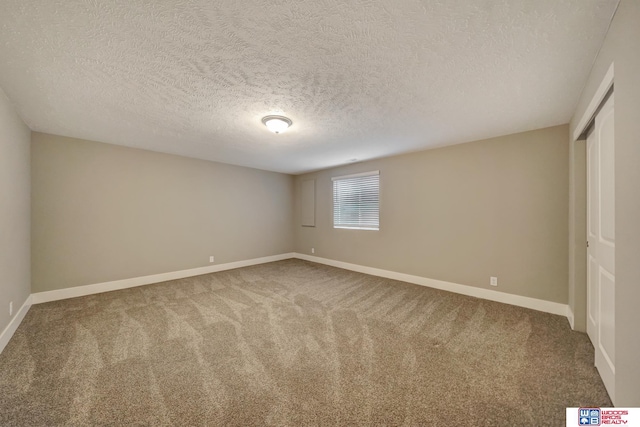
[(360, 78)]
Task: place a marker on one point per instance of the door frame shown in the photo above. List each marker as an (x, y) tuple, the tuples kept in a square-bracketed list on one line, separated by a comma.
[(579, 133), (577, 309), (594, 104)]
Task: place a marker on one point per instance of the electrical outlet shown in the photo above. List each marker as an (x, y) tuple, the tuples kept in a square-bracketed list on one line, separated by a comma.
[(494, 281), (313, 250), (211, 259), (11, 308)]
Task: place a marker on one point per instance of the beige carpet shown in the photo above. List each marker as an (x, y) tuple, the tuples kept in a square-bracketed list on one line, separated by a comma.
[(293, 343)]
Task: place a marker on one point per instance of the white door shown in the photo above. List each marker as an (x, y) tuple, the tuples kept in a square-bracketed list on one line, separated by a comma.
[(601, 241)]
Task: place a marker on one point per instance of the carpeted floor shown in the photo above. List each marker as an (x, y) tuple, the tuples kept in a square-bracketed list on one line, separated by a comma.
[(293, 343)]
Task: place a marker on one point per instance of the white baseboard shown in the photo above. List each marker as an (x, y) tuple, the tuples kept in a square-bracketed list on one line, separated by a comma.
[(570, 317), (79, 291), (488, 294), (11, 328)]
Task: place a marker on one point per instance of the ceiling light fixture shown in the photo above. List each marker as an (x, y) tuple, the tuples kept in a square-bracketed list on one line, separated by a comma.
[(277, 124)]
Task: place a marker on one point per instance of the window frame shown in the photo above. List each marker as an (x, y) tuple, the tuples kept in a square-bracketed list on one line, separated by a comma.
[(333, 200)]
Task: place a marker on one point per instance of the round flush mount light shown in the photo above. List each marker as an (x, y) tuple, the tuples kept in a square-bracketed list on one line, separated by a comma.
[(277, 124)]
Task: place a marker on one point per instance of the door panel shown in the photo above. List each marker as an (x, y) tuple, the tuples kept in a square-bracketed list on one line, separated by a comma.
[(592, 290), (601, 238), (592, 235), (607, 324), (607, 178)]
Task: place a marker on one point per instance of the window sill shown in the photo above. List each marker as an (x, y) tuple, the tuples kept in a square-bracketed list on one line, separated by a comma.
[(357, 228)]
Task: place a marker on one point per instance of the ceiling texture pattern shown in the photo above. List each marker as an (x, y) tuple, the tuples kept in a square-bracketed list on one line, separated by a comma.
[(360, 79)]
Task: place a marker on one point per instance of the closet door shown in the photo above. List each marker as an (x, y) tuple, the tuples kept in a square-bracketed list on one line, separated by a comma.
[(601, 244)]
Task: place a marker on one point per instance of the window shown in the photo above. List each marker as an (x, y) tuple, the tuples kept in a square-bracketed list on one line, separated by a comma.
[(356, 201)]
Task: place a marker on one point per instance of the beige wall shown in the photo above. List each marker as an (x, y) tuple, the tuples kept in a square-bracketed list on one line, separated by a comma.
[(15, 281), (496, 207), (621, 48), (578, 233), (103, 212)]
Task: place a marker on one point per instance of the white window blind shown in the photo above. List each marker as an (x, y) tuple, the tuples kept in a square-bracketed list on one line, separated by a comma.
[(356, 201)]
